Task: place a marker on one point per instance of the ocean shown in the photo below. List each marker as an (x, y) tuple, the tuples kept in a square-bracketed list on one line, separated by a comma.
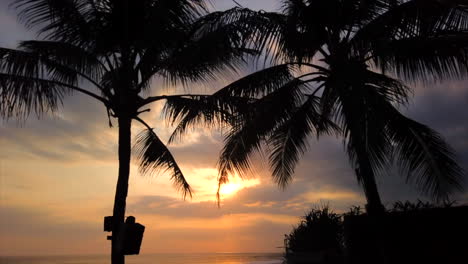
[(216, 258)]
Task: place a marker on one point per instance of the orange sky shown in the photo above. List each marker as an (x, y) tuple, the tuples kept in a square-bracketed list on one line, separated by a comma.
[(58, 176)]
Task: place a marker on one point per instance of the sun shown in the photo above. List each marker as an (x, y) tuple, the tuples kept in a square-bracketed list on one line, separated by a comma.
[(236, 184), (230, 188)]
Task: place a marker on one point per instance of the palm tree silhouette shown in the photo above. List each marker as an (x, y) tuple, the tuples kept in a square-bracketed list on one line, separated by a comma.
[(341, 66), (110, 51)]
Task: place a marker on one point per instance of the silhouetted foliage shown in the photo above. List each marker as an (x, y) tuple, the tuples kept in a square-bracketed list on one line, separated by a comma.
[(326, 237), (111, 51), (419, 205), (341, 67), (410, 232), (317, 239), (320, 229)]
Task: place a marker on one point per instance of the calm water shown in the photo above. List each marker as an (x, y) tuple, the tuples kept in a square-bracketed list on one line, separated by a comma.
[(220, 258)]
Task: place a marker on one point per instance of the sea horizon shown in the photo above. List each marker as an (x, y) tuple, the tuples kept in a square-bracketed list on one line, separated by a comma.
[(150, 258), (153, 253)]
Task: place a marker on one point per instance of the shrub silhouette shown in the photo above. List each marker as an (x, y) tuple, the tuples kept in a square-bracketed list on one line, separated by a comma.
[(319, 236)]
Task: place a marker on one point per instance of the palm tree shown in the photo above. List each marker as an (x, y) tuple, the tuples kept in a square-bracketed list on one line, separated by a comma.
[(341, 66), (111, 51)]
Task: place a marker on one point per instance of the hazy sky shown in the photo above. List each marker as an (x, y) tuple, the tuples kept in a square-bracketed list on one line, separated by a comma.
[(58, 176)]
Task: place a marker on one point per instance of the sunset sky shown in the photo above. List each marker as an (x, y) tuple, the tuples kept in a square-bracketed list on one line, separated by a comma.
[(58, 176)]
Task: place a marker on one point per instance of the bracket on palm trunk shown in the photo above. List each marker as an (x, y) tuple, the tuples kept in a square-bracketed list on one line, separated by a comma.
[(130, 235)]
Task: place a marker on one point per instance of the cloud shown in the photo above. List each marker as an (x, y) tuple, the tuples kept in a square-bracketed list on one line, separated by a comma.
[(78, 131), (37, 232)]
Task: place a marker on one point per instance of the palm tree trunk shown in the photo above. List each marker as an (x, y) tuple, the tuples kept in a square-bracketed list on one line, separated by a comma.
[(374, 206), (122, 188)]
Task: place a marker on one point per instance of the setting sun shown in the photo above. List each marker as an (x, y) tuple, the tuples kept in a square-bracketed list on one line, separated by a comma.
[(229, 188), (236, 184)]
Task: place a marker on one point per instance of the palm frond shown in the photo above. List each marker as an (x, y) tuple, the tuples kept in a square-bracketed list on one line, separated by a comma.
[(290, 140), (63, 20), (67, 56), (409, 19), (157, 24), (21, 95), (229, 104), (260, 83), (175, 11), (22, 63), (153, 156), (441, 56), (359, 117), (263, 116), (377, 129), (391, 89), (40, 66), (204, 59), (426, 159), (213, 45), (305, 29), (210, 111), (260, 29), (40, 79)]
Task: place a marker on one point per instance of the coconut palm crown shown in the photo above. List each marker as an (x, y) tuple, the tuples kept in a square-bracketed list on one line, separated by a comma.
[(111, 51), (341, 66)]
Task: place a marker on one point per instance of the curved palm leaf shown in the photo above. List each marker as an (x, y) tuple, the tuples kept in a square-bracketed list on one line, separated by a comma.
[(289, 140), (260, 27), (200, 61), (427, 160), (67, 55), (262, 117), (153, 155), (305, 29), (392, 90), (443, 55), (412, 18), (260, 83), (211, 46), (210, 111), (420, 152), (407, 36), (34, 65), (229, 104), (62, 20), (363, 128), (20, 95), (37, 77), (354, 97)]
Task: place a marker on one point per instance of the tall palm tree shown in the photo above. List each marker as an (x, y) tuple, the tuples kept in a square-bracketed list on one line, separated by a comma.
[(341, 66), (111, 51)]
